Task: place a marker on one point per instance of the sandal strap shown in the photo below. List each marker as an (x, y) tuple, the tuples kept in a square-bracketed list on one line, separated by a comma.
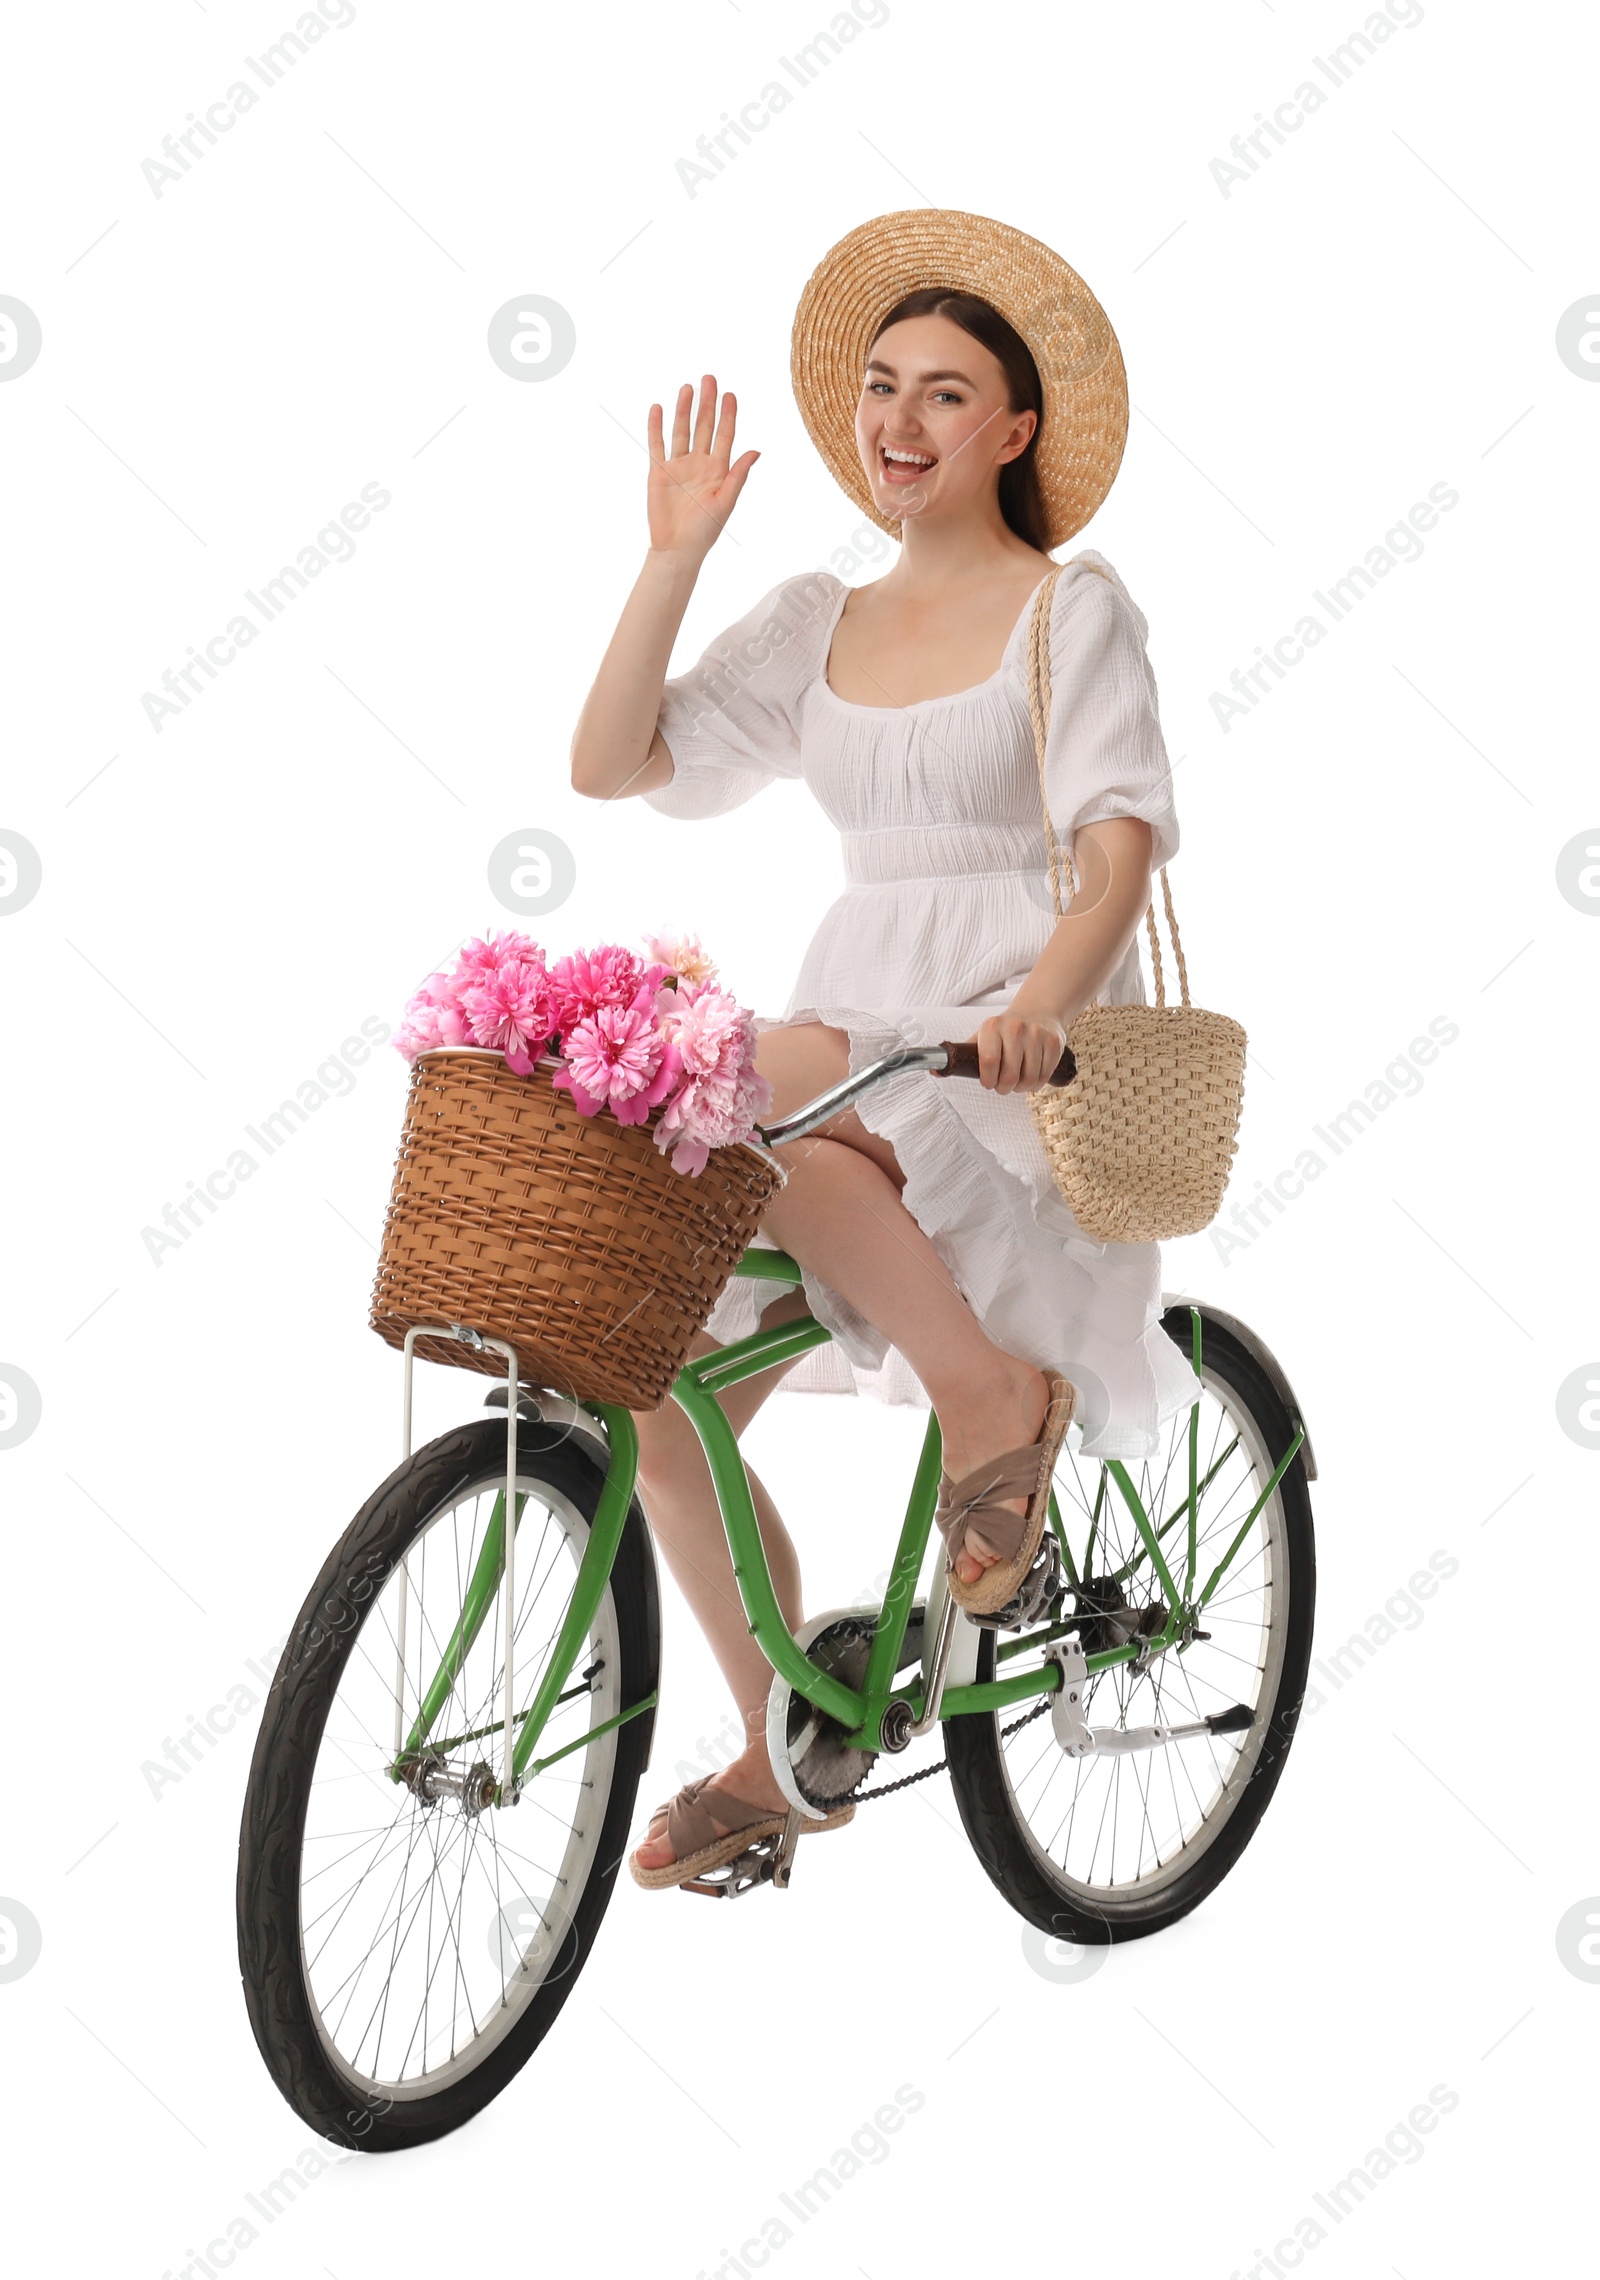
[(689, 1826), (976, 1497)]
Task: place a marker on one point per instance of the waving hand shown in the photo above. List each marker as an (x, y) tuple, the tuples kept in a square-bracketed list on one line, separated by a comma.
[(692, 491)]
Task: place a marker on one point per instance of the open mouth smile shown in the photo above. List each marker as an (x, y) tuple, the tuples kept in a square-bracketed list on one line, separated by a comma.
[(899, 465)]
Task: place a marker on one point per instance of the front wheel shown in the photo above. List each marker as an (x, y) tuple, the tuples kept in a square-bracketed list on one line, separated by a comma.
[(406, 1944), (1108, 1848)]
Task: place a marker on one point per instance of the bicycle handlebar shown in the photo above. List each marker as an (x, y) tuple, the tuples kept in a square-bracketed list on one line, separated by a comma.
[(955, 1058)]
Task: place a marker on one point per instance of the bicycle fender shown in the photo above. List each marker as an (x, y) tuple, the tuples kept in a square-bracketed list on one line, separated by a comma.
[(1261, 1354)]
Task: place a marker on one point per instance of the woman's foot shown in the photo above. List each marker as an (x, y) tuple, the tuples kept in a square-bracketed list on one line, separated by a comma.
[(980, 1429), (749, 1777)]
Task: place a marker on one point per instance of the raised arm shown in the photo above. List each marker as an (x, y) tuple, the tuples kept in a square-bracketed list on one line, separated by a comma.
[(616, 749)]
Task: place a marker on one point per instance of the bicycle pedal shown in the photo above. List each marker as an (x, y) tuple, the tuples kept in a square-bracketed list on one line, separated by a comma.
[(1040, 1589), (757, 1864)]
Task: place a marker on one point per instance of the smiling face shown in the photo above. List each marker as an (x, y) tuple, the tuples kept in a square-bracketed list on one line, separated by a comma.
[(934, 423)]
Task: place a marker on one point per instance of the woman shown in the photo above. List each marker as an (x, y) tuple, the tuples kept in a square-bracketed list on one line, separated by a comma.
[(980, 418)]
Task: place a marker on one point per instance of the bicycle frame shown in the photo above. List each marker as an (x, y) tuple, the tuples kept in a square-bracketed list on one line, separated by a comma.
[(859, 1711)]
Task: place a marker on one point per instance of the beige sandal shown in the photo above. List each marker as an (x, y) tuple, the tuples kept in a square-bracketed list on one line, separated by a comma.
[(687, 1822), (976, 1497)]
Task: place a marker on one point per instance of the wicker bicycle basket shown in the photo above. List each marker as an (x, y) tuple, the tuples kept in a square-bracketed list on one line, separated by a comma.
[(570, 1237)]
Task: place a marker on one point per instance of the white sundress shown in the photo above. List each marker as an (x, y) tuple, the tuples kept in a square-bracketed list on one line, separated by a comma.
[(946, 911)]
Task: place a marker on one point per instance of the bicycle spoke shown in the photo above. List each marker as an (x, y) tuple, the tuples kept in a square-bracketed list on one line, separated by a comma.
[(409, 1956), (1125, 1819)]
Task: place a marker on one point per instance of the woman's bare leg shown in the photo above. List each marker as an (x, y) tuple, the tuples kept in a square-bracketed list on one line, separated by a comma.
[(841, 1215), (686, 1522)]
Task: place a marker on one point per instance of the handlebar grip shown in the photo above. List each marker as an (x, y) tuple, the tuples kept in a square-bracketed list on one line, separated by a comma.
[(963, 1062)]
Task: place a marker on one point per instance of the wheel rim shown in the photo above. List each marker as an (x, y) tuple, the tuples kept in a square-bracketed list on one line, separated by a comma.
[(426, 1930), (1115, 1832)]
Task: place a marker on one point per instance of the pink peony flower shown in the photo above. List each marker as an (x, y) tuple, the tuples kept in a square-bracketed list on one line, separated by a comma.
[(722, 1096), (432, 1017), (424, 1026), (682, 955), (617, 1058), (591, 979), (483, 954), (705, 1116), (508, 1007), (634, 1035), (709, 1029), (437, 1013)]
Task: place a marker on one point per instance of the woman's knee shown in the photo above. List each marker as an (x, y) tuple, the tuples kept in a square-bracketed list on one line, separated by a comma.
[(800, 1059)]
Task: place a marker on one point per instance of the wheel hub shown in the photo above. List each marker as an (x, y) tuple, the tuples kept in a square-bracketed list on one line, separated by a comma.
[(1104, 1619), (430, 1779)]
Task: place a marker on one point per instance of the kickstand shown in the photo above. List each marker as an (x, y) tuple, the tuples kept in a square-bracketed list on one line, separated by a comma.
[(783, 1858)]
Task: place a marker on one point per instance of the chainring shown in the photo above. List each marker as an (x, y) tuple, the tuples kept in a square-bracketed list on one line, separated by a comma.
[(825, 1770)]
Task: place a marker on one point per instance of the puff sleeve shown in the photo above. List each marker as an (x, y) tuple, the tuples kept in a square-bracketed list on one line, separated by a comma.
[(732, 723), (1105, 755)]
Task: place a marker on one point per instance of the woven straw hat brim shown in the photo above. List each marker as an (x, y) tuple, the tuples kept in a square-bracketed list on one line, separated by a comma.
[(1085, 419)]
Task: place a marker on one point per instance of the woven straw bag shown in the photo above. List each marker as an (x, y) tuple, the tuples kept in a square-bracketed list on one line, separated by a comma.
[(1142, 1141)]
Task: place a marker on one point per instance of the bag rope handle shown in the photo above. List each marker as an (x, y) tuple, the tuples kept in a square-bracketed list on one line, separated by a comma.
[(1039, 707)]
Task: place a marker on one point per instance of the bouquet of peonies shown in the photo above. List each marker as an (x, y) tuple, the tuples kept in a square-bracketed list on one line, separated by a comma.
[(634, 1034)]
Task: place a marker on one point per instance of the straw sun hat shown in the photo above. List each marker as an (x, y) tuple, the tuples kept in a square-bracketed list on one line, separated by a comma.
[(1085, 419)]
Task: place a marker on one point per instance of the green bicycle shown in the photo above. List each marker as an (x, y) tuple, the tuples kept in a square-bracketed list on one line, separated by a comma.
[(445, 1777)]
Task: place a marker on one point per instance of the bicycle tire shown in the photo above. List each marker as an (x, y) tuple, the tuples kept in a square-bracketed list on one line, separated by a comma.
[(1014, 1862), (277, 1996)]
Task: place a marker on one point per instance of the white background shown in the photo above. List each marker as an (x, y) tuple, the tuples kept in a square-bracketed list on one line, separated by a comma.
[(1371, 312)]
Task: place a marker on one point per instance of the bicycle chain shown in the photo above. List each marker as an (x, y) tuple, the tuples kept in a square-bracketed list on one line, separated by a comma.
[(908, 1780)]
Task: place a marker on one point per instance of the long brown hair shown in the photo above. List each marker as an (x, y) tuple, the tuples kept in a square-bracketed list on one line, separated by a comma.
[(1021, 499)]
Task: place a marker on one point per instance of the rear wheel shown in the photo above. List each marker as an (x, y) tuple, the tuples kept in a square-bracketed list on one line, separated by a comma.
[(1109, 1848), (405, 1946)]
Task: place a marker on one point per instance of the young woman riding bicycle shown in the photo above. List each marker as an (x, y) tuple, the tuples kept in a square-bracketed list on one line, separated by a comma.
[(934, 1244)]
